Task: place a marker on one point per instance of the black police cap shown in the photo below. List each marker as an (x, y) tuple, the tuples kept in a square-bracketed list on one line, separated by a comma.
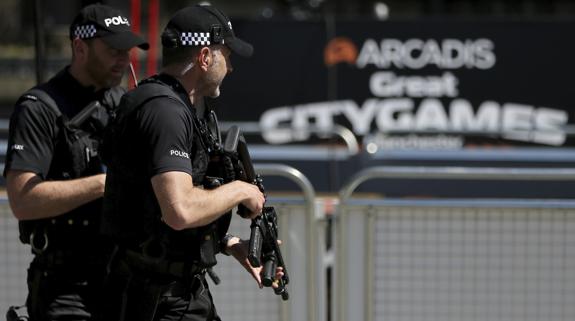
[(107, 23), (203, 25)]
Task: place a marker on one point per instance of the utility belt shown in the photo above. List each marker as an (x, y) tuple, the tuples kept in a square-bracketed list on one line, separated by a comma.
[(60, 232), (69, 250), (72, 259), (160, 266), (46, 242)]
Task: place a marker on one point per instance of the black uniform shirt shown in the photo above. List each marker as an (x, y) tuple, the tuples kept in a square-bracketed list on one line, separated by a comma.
[(33, 128), (34, 145), (158, 137)]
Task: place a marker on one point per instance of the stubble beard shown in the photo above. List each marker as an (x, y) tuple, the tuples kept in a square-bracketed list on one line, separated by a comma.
[(101, 75)]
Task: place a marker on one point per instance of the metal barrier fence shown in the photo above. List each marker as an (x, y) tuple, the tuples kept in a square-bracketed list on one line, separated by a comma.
[(455, 259), (15, 258), (396, 259)]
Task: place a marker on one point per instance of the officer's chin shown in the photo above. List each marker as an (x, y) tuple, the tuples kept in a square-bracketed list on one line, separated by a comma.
[(114, 81), (215, 93)]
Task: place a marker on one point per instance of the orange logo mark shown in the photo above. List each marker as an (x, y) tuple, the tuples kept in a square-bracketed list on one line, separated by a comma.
[(338, 50)]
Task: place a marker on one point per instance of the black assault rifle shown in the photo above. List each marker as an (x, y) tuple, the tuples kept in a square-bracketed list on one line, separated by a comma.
[(86, 112), (263, 245)]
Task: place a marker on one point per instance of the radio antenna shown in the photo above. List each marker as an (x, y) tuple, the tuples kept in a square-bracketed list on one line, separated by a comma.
[(133, 75)]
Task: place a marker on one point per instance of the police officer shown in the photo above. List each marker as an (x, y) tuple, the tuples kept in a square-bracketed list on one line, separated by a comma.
[(55, 179), (167, 217)]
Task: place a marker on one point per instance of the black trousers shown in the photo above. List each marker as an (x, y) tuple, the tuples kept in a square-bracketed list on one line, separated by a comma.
[(137, 295), (63, 292)]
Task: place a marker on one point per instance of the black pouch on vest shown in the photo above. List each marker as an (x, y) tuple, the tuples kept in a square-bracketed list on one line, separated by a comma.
[(78, 152), (209, 246)]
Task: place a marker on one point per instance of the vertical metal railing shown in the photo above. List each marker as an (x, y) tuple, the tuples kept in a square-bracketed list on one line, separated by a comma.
[(346, 291)]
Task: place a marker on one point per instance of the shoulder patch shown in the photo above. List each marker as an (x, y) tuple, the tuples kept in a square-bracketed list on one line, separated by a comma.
[(17, 147), (30, 97)]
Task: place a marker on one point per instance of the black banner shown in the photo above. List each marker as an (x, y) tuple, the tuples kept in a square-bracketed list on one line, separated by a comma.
[(440, 85)]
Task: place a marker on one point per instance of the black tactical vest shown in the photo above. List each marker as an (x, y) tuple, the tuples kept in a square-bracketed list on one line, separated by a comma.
[(155, 235), (76, 154)]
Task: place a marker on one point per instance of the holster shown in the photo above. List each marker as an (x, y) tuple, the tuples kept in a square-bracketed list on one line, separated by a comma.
[(36, 292), (210, 246)]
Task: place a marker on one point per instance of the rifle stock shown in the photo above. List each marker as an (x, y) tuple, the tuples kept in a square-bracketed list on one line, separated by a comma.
[(263, 245)]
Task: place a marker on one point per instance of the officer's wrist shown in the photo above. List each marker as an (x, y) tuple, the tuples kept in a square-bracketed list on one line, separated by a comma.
[(228, 241)]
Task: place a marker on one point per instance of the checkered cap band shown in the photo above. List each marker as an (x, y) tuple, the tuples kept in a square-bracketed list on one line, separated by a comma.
[(195, 38), (85, 32)]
